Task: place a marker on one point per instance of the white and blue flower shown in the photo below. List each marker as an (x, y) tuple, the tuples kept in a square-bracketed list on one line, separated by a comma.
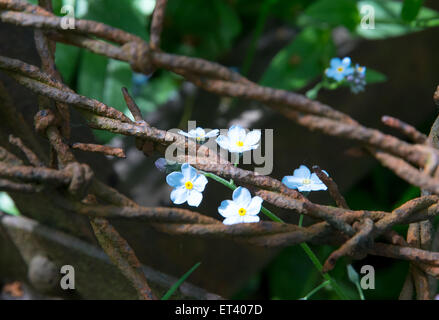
[(304, 181), (242, 209), (188, 185), (360, 70), (238, 140), (339, 68), (199, 134)]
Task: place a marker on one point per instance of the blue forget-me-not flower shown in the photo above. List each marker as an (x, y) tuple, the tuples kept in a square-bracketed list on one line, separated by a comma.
[(304, 181), (339, 68), (188, 185), (237, 140), (242, 209), (199, 134)]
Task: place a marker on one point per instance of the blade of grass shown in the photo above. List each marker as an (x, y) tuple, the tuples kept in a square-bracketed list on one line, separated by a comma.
[(313, 291), (175, 286)]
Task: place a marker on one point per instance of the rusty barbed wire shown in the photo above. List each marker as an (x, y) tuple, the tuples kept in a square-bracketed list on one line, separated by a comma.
[(357, 232)]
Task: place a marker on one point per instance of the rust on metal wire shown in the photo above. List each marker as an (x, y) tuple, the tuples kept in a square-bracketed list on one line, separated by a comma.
[(107, 150)]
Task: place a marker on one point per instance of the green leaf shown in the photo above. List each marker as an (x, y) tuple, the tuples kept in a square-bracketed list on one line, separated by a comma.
[(301, 61), (66, 60), (334, 13), (120, 14), (388, 21), (207, 35), (7, 204), (410, 9), (373, 76), (118, 75), (175, 286), (157, 91), (92, 75)]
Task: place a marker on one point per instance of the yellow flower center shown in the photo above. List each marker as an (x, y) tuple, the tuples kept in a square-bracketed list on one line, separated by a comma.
[(340, 69), (360, 69), (199, 138), (189, 185), (306, 181), (242, 212), (240, 143)]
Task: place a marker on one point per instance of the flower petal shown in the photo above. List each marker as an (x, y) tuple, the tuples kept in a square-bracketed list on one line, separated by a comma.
[(338, 76), (329, 73), (194, 198), (192, 133), (200, 182), (179, 195), (175, 179), (304, 188), (348, 71), (232, 220), (252, 138), (292, 182), (302, 172), (212, 133), (184, 133), (335, 62), (227, 208), (236, 149), (199, 132), (315, 179), (254, 206), (236, 133), (248, 148), (250, 219), (242, 197), (160, 164), (346, 61), (223, 142), (188, 171)]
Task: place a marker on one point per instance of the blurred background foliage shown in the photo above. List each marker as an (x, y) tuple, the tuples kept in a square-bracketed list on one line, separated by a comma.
[(209, 29)]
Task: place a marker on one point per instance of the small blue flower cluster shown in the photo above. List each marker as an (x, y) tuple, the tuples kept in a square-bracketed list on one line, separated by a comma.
[(341, 69), (188, 184)]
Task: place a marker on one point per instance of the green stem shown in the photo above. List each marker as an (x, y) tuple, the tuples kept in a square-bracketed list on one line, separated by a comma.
[(319, 267), (300, 220), (313, 92), (360, 290), (175, 286), (322, 285)]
